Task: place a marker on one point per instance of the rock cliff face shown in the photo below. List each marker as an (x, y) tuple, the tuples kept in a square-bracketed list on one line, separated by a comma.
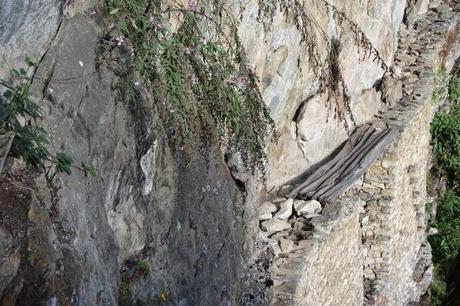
[(158, 225)]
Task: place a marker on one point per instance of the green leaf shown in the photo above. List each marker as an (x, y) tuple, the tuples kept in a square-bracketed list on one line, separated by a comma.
[(64, 163), (88, 169), (30, 62), (114, 11), (8, 93)]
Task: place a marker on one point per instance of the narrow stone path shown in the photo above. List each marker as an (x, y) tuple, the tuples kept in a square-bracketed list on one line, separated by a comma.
[(314, 216)]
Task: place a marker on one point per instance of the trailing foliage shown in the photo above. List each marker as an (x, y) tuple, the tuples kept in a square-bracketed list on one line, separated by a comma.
[(331, 78), (194, 62), (20, 115), (446, 244)]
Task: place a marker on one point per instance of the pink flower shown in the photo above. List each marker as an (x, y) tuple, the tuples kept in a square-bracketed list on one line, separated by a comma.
[(193, 5), (120, 40)]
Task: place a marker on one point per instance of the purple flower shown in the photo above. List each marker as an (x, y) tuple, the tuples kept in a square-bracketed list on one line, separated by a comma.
[(193, 5)]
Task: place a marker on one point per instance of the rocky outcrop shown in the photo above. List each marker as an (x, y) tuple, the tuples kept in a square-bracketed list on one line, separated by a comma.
[(83, 239), (194, 227)]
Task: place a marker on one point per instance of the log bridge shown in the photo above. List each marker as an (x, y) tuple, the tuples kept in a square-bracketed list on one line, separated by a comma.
[(327, 180)]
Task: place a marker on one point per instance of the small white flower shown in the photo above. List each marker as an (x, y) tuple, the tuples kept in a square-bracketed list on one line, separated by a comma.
[(81, 63)]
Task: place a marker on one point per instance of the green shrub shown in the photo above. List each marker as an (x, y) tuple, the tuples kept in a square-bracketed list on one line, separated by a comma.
[(446, 150), (198, 70), (446, 142), (446, 244), (21, 115), (144, 267), (454, 90)]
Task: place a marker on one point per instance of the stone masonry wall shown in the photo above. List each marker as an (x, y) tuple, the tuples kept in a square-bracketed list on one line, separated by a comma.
[(339, 256), (393, 224)]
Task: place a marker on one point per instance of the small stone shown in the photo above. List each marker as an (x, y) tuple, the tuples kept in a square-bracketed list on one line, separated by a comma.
[(309, 216), (281, 234), (276, 250), (275, 225), (286, 245), (285, 210), (266, 210), (312, 207), (432, 231), (265, 216)]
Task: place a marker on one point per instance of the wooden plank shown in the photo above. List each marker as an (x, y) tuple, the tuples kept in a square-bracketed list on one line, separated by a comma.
[(328, 171), (328, 179), (333, 172), (334, 193)]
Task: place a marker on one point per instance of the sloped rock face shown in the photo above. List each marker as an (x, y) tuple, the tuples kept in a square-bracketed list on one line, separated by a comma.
[(82, 240), (311, 122), (26, 29)]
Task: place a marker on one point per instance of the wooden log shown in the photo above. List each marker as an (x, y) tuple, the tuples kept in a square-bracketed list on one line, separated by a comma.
[(311, 176), (351, 162), (335, 170), (334, 193)]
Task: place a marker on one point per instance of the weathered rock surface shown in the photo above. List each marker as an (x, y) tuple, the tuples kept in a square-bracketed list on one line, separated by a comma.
[(26, 29), (191, 219), (87, 236)]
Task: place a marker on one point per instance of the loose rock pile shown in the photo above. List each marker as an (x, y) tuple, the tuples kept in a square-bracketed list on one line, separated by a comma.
[(285, 222)]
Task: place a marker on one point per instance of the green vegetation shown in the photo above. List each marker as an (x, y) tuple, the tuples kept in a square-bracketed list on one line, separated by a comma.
[(446, 149), (194, 64), (123, 292), (440, 79), (144, 267), (21, 115)]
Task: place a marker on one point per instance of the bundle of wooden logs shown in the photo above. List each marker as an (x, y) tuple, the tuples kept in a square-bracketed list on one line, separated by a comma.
[(327, 180)]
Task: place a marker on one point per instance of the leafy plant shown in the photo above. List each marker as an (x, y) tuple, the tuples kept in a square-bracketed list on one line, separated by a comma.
[(198, 68), (454, 90), (20, 115), (446, 142), (446, 150), (144, 267)]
